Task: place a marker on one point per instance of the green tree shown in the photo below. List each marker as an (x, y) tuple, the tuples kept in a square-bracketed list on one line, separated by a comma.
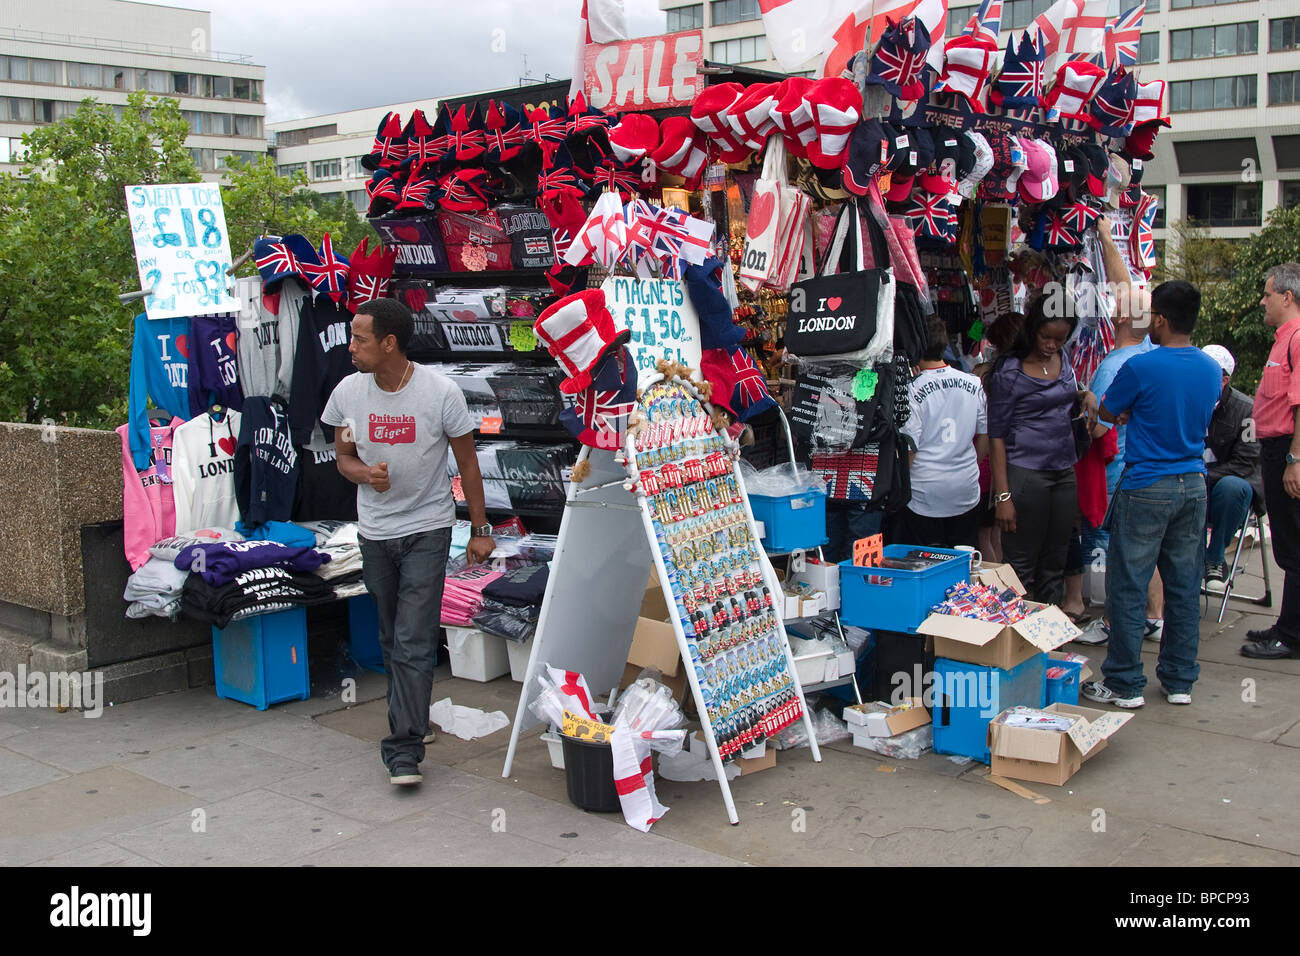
[(1230, 310), (66, 254)]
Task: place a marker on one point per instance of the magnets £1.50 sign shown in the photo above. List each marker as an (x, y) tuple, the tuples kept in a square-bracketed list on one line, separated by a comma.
[(181, 249)]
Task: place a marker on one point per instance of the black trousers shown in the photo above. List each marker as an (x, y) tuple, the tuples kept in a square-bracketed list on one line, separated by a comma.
[(908, 527), (1284, 529), (1046, 503)]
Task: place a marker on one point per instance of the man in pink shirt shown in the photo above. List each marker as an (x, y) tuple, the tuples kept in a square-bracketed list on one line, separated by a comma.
[(1277, 425)]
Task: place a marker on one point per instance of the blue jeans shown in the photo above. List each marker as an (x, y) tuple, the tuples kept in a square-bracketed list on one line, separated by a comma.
[(1159, 526), (405, 577), (1228, 506)]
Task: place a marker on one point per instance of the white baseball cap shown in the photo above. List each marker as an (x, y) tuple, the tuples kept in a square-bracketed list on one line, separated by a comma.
[(1222, 356)]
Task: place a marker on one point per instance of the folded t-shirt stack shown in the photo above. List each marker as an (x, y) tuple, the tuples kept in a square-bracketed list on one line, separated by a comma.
[(252, 591), (338, 539), (462, 596), (512, 602), (155, 589), (219, 563)]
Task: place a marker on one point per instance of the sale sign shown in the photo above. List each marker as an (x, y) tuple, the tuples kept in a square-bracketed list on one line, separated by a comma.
[(181, 249), (649, 73)]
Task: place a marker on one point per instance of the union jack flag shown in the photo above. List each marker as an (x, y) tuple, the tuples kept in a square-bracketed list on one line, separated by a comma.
[(1058, 233), (985, 22), (1124, 36), (851, 475), (639, 216), (677, 234), (331, 274), (363, 287), (603, 237), (278, 258), (1142, 240), (1079, 216)]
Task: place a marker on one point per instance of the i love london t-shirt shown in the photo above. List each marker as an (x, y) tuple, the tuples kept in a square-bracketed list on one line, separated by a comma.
[(408, 429)]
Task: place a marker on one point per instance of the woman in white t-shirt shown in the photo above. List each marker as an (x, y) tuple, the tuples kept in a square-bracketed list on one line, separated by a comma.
[(948, 425)]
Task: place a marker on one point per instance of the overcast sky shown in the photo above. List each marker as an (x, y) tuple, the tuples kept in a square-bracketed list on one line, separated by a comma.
[(330, 55)]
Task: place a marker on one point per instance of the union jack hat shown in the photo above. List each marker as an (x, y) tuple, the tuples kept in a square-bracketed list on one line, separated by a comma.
[(389, 148), (738, 385), (835, 105), (681, 150), (1111, 110), (635, 137), (503, 133), (560, 175), (899, 59), (993, 188), (932, 218), (466, 190), (385, 191), (717, 329), (1020, 84), (578, 330), (967, 62), (1142, 243), (1149, 104), (1058, 234), (598, 417), (278, 257), (370, 274), (328, 271), (420, 192), (710, 113), (792, 117), (459, 135), (583, 120), (419, 139), (1076, 83), (750, 116)]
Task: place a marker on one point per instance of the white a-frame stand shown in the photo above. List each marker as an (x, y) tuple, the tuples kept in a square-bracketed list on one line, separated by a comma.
[(606, 549)]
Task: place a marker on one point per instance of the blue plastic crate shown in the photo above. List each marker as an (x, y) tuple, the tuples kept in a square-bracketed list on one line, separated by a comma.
[(791, 522), (890, 599), (1064, 689), (262, 660), (363, 633), (968, 696)]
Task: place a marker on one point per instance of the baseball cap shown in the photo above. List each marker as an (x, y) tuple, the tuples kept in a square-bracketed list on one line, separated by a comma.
[(1038, 182), (1222, 356)]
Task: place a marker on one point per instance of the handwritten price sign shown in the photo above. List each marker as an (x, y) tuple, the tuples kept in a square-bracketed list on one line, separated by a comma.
[(181, 249), (661, 318)]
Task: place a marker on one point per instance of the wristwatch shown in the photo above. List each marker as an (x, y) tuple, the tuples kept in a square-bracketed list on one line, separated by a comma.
[(1005, 496), (481, 531), (1292, 459)]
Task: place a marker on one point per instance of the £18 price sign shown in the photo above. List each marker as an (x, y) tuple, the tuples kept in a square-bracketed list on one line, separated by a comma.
[(182, 249)]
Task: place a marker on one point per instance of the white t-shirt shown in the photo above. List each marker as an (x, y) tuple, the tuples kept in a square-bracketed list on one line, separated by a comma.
[(408, 429), (948, 409)]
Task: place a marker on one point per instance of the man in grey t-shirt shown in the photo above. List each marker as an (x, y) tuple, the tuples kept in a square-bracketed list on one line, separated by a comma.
[(393, 423)]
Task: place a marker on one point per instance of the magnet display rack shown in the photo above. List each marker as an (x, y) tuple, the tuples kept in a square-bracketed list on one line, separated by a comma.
[(676, 487)]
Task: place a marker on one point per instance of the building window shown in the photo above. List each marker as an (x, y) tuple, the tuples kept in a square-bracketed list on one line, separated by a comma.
[(202, 159), (1153, 6), (291, 169), (360, 201), (1283, 88), (154, 81), (686, 18), (184, 83), (958, 17), (327, 169), (248, 125), (1232, 204), (23, 69), (353, 169), (743, 50), (1290, 194), (195, 119), (1160, 193), (87, 75), (16, 109), (1218, 93), (732, 11), (216, 124), (1226, 39), (300, 137), (220, 87), (1149, 48), (1284, 34), (1188, 4), (1018, 14)]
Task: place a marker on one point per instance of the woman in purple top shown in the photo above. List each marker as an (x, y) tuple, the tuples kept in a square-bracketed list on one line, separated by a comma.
[(1032, 397)]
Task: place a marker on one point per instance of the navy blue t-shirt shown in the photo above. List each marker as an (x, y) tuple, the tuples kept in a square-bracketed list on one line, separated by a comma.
[(1170, 395)]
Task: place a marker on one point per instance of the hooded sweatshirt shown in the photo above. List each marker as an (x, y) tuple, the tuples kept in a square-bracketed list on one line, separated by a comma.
[(148, 506), (159, 371), (203, 472)]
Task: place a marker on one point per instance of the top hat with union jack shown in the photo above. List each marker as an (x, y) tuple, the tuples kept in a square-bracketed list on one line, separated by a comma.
[(600, 411), (578, 330), (1020, 84), (328, 273), (1149, 103)]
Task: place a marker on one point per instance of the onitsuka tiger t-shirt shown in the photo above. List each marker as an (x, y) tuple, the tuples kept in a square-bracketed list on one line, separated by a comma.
[(408, 429)]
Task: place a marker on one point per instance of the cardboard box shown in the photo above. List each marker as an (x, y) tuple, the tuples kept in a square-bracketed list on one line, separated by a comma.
[(654, 605), (883, 720), (999, 645), (1053, 757), (764, 757), (654, 644), (1000, 576), (820, 577)]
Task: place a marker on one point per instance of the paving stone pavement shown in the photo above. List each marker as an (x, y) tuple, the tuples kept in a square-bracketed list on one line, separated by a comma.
[(190, 779)]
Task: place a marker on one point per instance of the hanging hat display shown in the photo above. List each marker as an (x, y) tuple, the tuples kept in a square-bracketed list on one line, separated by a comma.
[(634, 138), (750, 117), (834, 104), (681, 150), (389, 148), (791, 115), (577, 331), (899, 60), (279, 258), (967, 62), (981, 163), (1076, 83), (1038, 183), (710, 111), (867, 157), (1111, 110), (1019, 85), (328, 274)]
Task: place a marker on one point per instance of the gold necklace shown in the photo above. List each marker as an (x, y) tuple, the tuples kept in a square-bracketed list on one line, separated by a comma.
[(409, 367)]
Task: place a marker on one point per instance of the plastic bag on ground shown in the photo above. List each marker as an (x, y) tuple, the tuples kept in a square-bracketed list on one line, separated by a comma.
[(909, 745), (467, 723), (826, 726)]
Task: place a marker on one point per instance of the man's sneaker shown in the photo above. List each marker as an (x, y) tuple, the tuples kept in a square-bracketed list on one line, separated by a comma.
[(1096, 690), (405, 775), (1153, 629), (1183, 698), (1216, 578), (1262, 635), (1270, 650), (1097, 632), (428, 738)]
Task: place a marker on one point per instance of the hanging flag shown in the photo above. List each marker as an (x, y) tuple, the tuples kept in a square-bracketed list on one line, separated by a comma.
[(1124, 37), (1072, 30), (833, 30), (985, 22), (601, 21)]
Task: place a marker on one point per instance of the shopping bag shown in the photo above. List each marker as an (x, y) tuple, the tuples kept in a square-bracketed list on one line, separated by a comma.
[(844, 316), (762, 229)]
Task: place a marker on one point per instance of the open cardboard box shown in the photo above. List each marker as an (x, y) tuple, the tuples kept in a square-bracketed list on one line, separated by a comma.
[(999, 645), (654, 644), (883, 720), (1000, 576), (1048, 756)]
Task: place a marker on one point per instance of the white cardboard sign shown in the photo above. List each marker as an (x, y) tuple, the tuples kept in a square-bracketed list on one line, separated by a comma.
[(661, 318), (182, 249)]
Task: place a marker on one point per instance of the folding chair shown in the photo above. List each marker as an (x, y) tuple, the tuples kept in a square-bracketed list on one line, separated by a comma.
[(1256, 512)]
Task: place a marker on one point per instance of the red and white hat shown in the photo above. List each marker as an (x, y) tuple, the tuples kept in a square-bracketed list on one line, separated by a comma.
[(370, 273), (751, 115), (710, 114), (1076, 83), (967, 63), (577, 331), (681, 150), (635, 137), (1149, 104), (835, 105), (792, 116)]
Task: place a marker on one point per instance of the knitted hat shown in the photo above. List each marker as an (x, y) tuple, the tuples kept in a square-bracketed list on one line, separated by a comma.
[(791, 115), (459, 135), (418, 137), (1076, 83), (717, 330), (389, 148), (635, 137), (583, 120), (899, 59), (385, 191), (750, 117), (967, 62), (466, 190), (681, 150), (709, 113), (420, 192), (1020, 84), (577, 331), (834, 104), (1111, 110), (503, 135), (600, 411), (738, 385), (370, 274)]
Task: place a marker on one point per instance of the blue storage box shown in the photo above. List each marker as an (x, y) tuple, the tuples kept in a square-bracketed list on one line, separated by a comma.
[(262, 660), (1064, 689), (968, 696), (363, 633), (791, 522), (891, 599)]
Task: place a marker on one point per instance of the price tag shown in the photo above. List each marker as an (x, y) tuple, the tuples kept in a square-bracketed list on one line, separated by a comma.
[(864, 384), (491, 425), (1068, 165), (868, 551), (522, 338), (976, 331)]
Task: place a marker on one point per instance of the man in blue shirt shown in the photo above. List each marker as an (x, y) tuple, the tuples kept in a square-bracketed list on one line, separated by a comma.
[(1166, 397)]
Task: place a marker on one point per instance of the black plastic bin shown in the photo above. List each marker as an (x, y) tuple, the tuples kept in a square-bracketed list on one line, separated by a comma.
[(589, 774)]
